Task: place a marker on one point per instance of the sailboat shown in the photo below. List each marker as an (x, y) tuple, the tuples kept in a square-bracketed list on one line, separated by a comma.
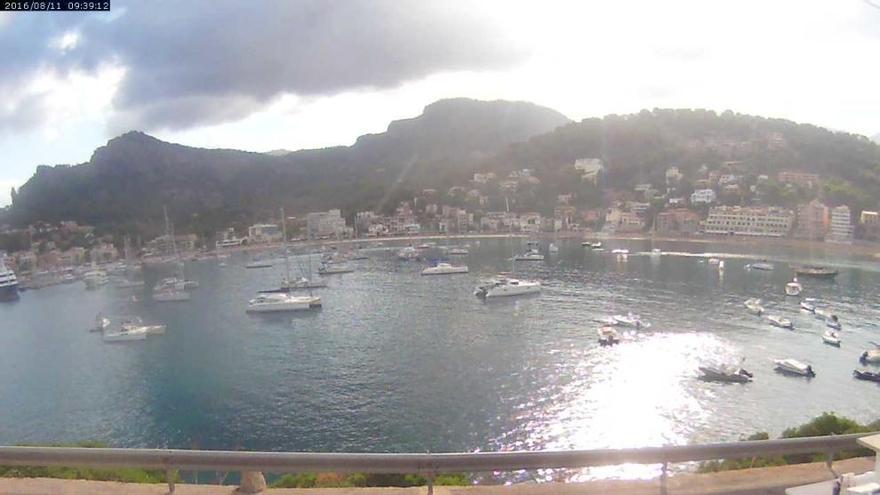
[(287, 284), (172, 289)]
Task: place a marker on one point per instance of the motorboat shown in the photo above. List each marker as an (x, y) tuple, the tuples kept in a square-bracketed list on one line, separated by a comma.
[(754, 306), (326, 269), (300, 284), (593, 245), (725, 373), (190, 284), (170, 295), (8, 283), (793, 288), (630, 320), (871, 356), (408, 253), (458, 251), (656, 252), (794, 367), (258, 263), (265, 303), (831, 337), (133, 324), (102, 323), (620, 251), (833, 322), (125, 334), (761, 265), (505, 287), (608, 335), (871, 376), (815, 271), (95, 278), (714, 261), (780, 321), (553, 248), (426, 245), (808, 306), (445, 269), (530, 255)]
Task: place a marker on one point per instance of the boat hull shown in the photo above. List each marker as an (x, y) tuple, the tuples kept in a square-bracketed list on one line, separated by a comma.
[(9, 293)]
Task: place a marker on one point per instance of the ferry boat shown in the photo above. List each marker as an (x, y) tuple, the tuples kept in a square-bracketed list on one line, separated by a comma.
[(8, 283)]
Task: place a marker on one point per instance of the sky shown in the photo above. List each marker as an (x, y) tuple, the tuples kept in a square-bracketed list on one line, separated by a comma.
[(298, 74)]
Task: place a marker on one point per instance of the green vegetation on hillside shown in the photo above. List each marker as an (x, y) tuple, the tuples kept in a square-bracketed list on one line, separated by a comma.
[(125, 475)]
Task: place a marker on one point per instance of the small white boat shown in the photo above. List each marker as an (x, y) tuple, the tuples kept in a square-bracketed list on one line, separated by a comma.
[(714, 261), (258, 263), (505, 287), (656, 252), (871, 356), (444, 269), (170, 293), (630, 320), (593, 245), (553, 248), (426, 245), (780, 321), (102, 323), (530, 255), (761, 265), (458, 251), (608, 335), (265, 303), (808, 306), (408, 253), (334, 269), (831, 337), (620, 251), (794, 367), (725, 373), (124, 335), (124, 283), (754, 307), (833, 322), (301, 283), (793, 288)]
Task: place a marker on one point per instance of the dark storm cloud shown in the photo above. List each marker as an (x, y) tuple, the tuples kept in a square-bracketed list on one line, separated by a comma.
[(200, 62)]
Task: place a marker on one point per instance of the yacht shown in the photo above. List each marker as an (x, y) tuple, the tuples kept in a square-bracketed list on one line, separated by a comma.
[(125, 334), (831, 337), (592, 245), (793, 288), (754, 306), (794, 367), (8, 283), (265, 303), (95, 279), (445, 269), (503, 287), (630, 320), (761, 265), (815, 271), (301, 283), (172, 289), (871, 356), (725, 373), (530, 255), (780, 321), (608, 335), (408, 253), (808, 306), (620, 251)]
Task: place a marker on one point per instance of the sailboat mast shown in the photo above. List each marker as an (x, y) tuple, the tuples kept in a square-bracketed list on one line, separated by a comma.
[(284, 245), (169, 231)]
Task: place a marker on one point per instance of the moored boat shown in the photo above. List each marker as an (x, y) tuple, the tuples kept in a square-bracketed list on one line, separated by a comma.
[(871, 356), (445, 269), (762, 265), (793, 288), (630, 320), (754, 307), (506, 287), (266, 303), (780, 321), (831, 337), (8, 282), (808, 306), (530, 255), (722, 373), (608, 335), (794, 367), (815, 271), (871, 376), (620, 251)]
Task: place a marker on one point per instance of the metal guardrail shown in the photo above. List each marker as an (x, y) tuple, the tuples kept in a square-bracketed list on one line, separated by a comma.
[(424, 464)]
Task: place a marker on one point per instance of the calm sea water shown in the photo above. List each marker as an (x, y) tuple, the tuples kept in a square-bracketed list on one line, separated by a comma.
[(397, 362)]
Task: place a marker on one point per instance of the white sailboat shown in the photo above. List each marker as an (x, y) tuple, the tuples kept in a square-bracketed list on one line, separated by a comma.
[(172, 289)]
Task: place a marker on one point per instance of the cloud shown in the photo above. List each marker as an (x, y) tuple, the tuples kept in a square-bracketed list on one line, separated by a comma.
[(209, 61)]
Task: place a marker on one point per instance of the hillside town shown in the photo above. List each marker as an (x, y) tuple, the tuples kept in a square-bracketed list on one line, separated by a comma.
[(721, 202)]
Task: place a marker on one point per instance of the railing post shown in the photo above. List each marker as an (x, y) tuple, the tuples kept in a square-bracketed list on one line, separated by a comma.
[(664, 478), (252, 482), (830, 463), (169, 477), (431, 484)]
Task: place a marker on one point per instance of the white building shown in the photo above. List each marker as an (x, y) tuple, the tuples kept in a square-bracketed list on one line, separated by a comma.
[(325, 224), (704, 196), (589, 168), (758, 221), (673, 175), (841, 225)]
